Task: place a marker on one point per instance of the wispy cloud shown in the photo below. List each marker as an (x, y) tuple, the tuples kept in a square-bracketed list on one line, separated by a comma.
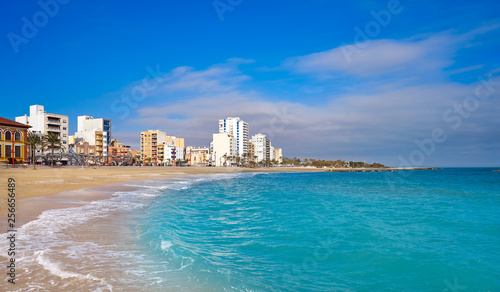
[(415, 56), (380, 123), (380, 58)]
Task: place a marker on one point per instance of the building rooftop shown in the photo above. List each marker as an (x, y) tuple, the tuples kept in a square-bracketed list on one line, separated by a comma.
[(7, 122)]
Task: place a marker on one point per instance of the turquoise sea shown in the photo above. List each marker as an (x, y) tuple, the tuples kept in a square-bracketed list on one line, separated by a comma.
[(433, 230)]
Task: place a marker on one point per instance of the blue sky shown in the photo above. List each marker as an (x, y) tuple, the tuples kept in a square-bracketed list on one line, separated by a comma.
[(398, 82)]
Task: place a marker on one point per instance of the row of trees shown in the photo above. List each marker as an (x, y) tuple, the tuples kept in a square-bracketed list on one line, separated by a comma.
[(50, 141), (249, 161), (330, 163)]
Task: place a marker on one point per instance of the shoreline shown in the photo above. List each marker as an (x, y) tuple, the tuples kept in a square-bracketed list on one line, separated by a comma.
[(47, 180), (49, 188)]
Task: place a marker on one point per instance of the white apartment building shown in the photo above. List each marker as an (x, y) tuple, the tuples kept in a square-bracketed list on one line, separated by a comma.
[(43, 123), (88, 123), (171, 154), (96, 132), (261, 147), (224, 147), (239, 130)]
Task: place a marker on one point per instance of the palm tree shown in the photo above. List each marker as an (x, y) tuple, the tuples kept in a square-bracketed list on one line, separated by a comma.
[(33, 141), (137, 159), (243, 159), (52, 141), (225, 159)]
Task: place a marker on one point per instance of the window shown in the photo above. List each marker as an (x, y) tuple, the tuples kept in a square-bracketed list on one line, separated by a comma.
[(64, 121), (8, 136), (1, 150), (64, 128), (17, 136), (64, 142), (8, 149), (17, 151)]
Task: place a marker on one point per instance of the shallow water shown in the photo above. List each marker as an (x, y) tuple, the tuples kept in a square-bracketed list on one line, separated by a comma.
[(405, 231)]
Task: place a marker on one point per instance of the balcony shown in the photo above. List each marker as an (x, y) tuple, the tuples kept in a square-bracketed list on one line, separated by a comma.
[(52, 128), (53, 121)]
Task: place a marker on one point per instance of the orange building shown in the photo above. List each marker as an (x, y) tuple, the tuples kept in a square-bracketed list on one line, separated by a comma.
[(85, 148), (117, 154), (13, 138)]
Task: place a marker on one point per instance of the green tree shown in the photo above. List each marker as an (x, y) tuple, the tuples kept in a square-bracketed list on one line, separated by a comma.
[(53, 141), (33, 141), (245, 159)]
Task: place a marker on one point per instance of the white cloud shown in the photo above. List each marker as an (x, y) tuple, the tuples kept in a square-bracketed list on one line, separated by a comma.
[(377, 124), (422, 56), (376, 58)]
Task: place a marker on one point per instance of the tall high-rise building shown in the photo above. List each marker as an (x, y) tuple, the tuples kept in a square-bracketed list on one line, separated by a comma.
[(239, 130), (43, 123), (262, 147)]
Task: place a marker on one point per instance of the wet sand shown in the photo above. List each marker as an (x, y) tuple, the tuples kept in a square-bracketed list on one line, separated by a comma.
[(49, 188)]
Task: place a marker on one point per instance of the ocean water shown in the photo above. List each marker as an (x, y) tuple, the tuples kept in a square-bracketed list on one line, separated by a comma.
[(436, 230)]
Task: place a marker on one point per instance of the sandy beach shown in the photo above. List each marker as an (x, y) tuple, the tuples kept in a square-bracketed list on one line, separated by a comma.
[(46, 188)]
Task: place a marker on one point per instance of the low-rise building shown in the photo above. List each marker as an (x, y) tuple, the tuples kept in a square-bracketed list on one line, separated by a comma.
[(198, 156), (150, 140), (85, 148), (120, 154), (159, 149), (172, 155), (13, 138)]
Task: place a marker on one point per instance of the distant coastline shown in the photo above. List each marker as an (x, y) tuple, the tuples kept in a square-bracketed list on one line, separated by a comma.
[(385, 169)]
